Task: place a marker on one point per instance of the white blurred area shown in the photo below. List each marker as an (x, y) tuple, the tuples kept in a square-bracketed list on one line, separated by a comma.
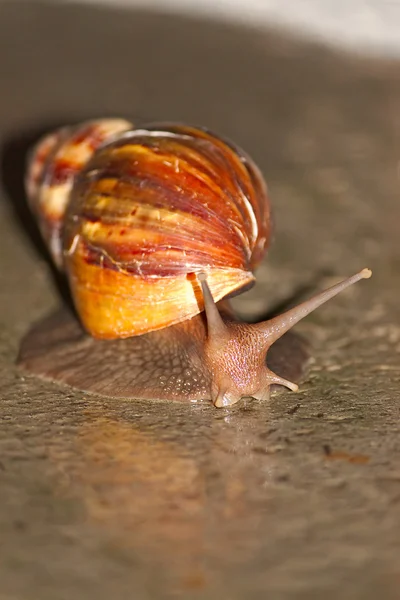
[(366, 25)]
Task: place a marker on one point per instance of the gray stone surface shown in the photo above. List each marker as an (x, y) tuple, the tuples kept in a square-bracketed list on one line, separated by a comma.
[(296, 499)]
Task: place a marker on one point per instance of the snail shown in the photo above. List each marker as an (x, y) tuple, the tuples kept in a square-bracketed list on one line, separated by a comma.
[(156, 227)]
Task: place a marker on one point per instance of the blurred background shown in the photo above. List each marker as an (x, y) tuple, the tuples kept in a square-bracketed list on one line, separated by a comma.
[(368, 25)]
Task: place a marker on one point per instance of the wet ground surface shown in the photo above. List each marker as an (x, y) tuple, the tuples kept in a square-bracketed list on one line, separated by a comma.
[(299, 498)]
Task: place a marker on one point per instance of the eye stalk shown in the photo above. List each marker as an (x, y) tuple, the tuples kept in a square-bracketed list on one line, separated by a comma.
[(235, 352)]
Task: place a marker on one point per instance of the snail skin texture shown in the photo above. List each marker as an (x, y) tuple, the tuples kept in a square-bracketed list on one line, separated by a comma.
[(154, 227)]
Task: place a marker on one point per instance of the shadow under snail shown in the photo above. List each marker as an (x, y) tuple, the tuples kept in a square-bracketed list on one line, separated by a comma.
[(154, 227)]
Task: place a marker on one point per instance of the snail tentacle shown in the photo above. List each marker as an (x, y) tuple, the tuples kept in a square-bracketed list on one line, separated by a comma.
[(235, 352)]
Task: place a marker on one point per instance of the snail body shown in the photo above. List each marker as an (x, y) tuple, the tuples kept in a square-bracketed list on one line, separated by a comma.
[(153, 226)]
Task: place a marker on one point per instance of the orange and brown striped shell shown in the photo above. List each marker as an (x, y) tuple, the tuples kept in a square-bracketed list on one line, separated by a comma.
[(55, 163), (137, 213)]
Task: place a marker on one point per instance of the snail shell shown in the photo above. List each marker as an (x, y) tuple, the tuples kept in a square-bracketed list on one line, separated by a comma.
[(133, 214)]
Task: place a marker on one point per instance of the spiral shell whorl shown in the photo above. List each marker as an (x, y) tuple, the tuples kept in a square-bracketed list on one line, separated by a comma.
[(55, 162)]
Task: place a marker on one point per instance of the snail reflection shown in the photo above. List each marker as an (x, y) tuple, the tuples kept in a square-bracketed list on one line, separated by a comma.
[(147, 490)]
